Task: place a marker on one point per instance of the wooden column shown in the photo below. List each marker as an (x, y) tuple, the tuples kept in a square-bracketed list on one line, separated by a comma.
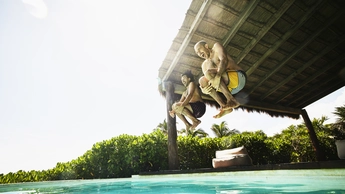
[(172, 133), (319, 153)]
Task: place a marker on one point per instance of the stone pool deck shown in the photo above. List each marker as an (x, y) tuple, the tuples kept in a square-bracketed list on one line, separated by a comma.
[(285, 166)]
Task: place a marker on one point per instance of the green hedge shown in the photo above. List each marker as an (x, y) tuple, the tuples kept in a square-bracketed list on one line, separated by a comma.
[(125, 155)]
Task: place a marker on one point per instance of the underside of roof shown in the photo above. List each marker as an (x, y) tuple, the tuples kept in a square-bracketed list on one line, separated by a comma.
[(293, 51)]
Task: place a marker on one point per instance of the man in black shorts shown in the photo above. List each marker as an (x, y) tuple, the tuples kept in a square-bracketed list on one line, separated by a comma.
[(191, 104)]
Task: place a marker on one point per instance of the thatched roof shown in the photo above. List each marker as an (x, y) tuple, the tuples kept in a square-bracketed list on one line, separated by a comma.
[(293, 51)]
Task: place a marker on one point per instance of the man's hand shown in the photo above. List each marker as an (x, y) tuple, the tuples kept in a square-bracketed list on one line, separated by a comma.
[(215, 82), (178, 103), (207, 89), (179, 108)]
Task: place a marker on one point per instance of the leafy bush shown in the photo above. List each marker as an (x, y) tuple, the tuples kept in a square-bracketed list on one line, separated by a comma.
[(255, 143), (125, 155)]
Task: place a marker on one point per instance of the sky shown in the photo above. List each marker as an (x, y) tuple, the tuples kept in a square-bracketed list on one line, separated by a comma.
[(73, 73)]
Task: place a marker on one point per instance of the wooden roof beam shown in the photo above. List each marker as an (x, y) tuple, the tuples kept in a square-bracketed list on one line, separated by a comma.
[(316, 92), (201, 13), (309, 63), (276, 16), (313, 77), (286, 36), (299, 48), (241, 19), (268, 106)]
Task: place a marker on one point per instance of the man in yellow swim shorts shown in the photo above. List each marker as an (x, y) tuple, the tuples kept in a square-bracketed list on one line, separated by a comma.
[(237, 81), (221, 73)]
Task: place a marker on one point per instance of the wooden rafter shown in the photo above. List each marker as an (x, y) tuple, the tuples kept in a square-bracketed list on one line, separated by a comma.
[(319, 94), (306, 93), (276, 16), (296, 51), (306, 65), (268, 106), (311, 78), (241, 19), (195, 24), (286, 36)]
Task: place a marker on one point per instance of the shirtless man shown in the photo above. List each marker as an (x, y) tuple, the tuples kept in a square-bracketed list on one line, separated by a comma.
[(221, 73), (191, 104)]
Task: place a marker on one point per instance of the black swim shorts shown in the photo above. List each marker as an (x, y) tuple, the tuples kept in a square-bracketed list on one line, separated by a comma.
[(199, 109)]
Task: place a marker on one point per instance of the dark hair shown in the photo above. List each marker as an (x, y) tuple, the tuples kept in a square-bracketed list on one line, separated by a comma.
[(189, 74)]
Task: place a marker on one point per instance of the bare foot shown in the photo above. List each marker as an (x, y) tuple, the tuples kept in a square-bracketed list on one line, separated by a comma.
[(222, 113), (195, 124), (226, 107)]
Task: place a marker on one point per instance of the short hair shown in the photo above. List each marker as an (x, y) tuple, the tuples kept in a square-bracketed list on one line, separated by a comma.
[(189, 74), (200, 43)]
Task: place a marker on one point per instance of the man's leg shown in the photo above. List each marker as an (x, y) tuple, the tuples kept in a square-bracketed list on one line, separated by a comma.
[(231, 102), (203, 81), (184, 120), (190, 115), (178, 111)]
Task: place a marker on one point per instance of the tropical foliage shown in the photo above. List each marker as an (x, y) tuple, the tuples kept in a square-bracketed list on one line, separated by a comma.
[(193, 132), (125, 155), (222, 130), (162, 127), (339, 125)]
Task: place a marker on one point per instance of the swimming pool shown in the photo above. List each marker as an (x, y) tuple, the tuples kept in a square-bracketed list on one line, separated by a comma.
[(262, 181)]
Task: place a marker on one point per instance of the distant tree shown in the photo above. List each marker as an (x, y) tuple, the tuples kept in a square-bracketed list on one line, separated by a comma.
[(318, 124), (340, 122), (300, 141), (223, 130), (325, 135), (294, 144), (162, 127), (194, 133)]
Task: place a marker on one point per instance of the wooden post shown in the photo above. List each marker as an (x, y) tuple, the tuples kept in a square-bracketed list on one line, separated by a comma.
[(319, 153), (172, 133)]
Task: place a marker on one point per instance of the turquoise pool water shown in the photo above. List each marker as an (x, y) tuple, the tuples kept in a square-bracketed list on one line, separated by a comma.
[(267, 181)]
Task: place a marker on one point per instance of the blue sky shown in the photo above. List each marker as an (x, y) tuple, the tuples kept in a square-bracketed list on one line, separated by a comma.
[(73, 73)]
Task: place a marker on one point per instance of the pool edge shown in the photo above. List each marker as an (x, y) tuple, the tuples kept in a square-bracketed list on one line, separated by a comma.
[(284, 166)]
